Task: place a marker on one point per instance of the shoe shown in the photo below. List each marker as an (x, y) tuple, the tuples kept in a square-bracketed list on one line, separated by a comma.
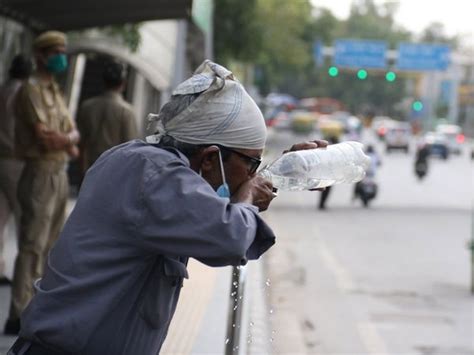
[(12, 327), (5, 281)]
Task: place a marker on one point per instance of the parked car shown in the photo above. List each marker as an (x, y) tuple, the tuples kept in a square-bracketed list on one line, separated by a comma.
[(454, 137), (398, 136), (437, 144)]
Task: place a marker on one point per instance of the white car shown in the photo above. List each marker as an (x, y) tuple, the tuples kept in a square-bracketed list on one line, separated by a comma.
[(454, 137), (398, 136)]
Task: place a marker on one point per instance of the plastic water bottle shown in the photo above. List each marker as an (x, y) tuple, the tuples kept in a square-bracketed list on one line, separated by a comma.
[(316, 168)]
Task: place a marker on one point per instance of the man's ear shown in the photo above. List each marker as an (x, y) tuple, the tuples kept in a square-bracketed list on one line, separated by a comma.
[(209, 157)]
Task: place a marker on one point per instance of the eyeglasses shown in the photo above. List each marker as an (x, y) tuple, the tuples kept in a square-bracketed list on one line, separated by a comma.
[(252, 162)]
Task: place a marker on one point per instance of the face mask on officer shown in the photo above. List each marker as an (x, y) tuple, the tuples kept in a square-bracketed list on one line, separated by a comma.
[(56, 63)]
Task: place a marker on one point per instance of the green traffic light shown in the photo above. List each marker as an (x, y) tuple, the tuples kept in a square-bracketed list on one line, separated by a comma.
[(333, 71), (362, 74), (417, 106), (390, 76)]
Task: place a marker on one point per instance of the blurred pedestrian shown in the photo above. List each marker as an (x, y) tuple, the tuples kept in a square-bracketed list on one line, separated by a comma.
[(325, 193), (106, 120), (114, 277), (10, 166), (44, 136)]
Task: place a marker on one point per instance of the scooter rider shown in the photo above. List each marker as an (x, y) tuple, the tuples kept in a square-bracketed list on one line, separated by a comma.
[(421, 161), (375, 162)]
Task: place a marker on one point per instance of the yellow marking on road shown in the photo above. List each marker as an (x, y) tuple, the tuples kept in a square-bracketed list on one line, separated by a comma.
[(371, 339), (343, 279), (367, 331)]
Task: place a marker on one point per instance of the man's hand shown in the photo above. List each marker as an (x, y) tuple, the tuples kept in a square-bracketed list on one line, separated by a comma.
[(307, 145), (256, 191), (52, 140), (73, 152)]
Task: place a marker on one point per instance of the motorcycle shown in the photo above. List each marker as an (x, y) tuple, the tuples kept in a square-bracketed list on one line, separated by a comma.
[(366, 190), (421, 168)]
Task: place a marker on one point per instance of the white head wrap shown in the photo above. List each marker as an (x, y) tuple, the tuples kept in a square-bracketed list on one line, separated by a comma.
[(224, 113)]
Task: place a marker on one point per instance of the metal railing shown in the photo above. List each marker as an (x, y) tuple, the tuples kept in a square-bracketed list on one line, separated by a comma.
[(235, 315)]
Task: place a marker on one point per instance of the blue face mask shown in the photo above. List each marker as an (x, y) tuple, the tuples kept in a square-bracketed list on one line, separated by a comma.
[(56, 63), (223, 190)]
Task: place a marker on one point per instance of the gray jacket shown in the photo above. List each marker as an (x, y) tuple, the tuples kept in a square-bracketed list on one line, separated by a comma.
[(114, 276)]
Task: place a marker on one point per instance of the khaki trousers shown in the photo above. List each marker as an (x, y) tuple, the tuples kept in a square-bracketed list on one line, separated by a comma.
[(42, 193), (10, 172)]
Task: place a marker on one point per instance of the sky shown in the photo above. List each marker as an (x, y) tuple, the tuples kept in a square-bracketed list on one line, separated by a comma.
[(415, 15)]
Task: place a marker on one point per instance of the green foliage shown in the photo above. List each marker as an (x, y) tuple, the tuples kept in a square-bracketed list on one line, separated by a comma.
[(269, 34), (129, 34), (436, 33), (285, 48), (237, 32)]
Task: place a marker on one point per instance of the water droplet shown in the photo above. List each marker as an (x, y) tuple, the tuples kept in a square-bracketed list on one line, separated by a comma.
[(251, 324), (249, 341), (240, 297), (233, 325), (236, 348), (267, 282), (227, 341), (271, 310), (235, 283), (273, 332), (235, 308), (271, 340)]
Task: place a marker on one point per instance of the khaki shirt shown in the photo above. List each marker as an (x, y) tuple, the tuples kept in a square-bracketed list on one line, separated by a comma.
[(104, 122), (40, 102)]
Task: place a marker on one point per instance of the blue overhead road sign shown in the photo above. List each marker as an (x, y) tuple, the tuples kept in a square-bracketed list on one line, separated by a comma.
[(352, 53), (318, 53), (423, 56)]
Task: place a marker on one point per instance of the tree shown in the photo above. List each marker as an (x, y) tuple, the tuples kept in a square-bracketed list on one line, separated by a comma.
[(436, 33), (237, 33), (284, 46), (266, 34)]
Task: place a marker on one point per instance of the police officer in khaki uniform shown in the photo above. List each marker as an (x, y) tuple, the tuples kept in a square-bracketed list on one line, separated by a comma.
[(45, 138), (106, 120)]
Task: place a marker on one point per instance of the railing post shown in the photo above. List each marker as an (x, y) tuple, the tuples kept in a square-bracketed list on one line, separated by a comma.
[(234, 320)]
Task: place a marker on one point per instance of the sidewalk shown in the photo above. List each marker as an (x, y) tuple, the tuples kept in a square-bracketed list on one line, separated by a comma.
[(200, 322)]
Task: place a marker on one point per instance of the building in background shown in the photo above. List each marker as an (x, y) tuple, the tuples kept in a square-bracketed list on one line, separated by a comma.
[(175, 37)]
